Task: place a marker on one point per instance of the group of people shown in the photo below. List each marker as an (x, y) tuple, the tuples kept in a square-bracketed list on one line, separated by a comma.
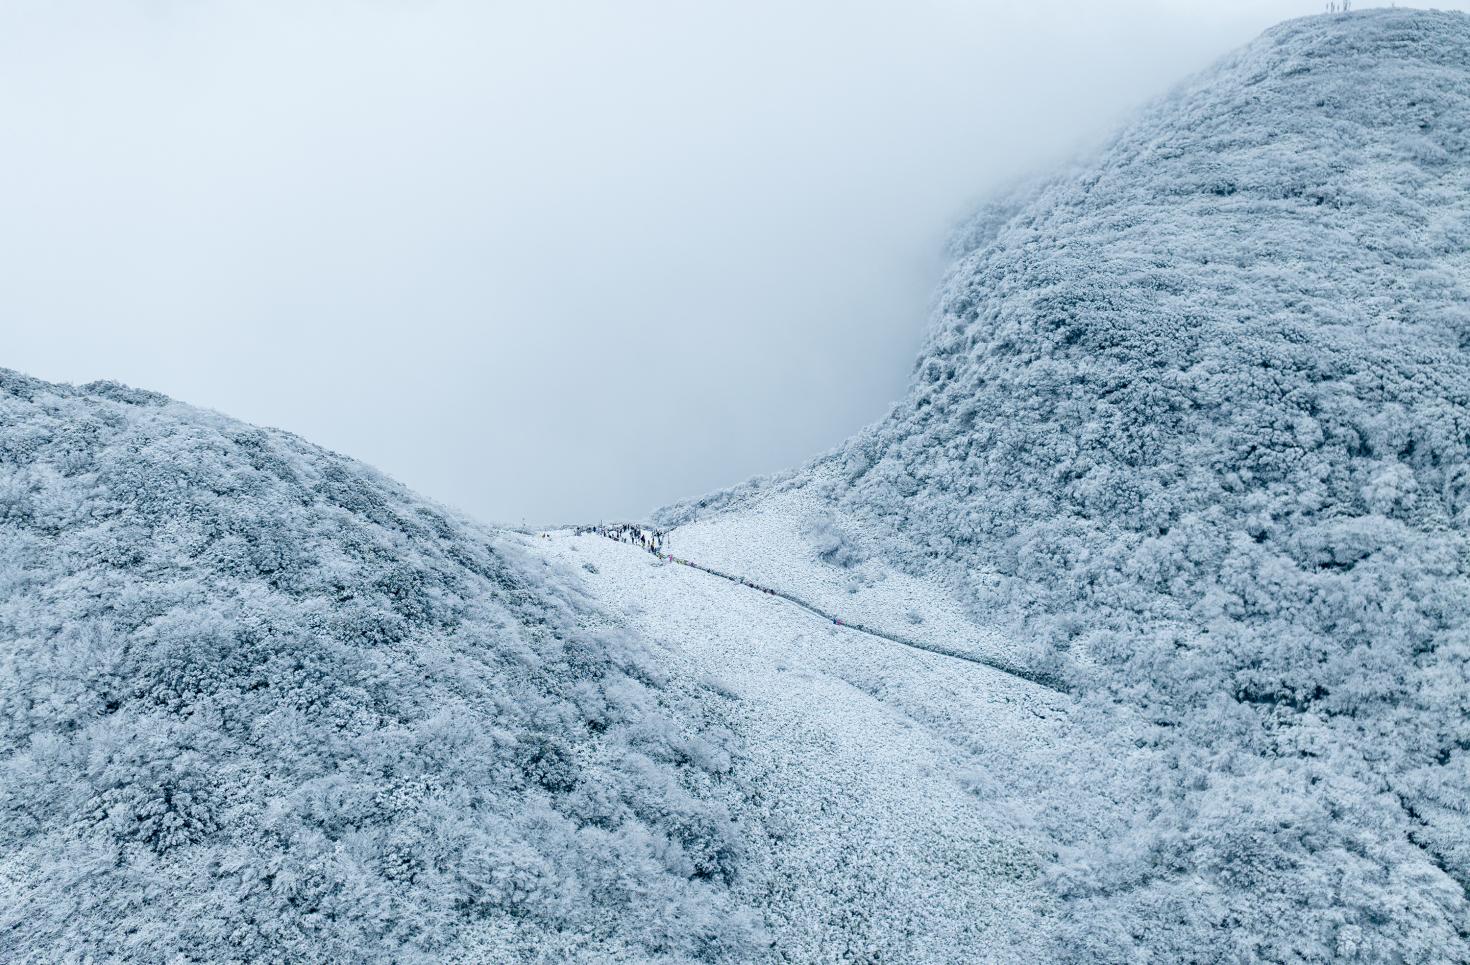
[(643, 537), (652, 540), (758, 588)]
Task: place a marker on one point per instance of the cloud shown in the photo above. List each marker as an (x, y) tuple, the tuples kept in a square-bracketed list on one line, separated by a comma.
[(549, 261)]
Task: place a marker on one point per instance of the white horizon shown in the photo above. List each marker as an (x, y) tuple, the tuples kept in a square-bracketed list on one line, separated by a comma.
[(570, 262)]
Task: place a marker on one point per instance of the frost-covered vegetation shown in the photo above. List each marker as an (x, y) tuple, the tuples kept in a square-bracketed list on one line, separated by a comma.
[(1205, 404), (258, 703), (833, 546), (1194, 421)]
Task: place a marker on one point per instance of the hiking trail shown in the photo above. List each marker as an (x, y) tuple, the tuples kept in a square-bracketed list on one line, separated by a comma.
[(652, 541)]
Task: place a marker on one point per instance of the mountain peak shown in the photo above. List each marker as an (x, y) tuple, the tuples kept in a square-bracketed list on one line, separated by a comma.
[(1191, 418)]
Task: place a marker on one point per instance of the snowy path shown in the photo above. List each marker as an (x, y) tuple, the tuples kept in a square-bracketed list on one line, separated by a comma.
[(995, 663), (784, 538), (858, 758)]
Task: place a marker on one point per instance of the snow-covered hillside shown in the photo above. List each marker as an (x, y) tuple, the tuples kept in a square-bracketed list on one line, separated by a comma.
[(1189, 443), (258, 703), (859, 760), (790, 539), (1191, 428)]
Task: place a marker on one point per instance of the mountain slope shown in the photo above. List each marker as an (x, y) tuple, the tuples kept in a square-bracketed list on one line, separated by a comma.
[(258, 702), (1192, 426), (857, 759), (1190, 433)]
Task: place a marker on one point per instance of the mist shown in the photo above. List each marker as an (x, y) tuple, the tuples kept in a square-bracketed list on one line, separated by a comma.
[(541, 262)]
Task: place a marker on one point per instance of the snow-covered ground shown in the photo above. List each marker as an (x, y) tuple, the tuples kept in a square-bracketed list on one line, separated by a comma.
[(791, 540), (858, 759)]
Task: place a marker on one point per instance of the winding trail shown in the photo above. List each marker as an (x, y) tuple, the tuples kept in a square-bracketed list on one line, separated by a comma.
[(653, 546), (881, 788)]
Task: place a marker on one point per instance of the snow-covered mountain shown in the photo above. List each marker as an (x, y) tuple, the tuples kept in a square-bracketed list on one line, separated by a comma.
[(1191, 427), (258, 703), (1138, 631)]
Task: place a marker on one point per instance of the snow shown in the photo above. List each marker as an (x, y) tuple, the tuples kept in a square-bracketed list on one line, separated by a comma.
[(857, 756), (258, 702), (1189, 430), (779, 541)]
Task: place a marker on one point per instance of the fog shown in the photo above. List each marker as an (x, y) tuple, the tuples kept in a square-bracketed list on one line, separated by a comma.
[(540, 261)]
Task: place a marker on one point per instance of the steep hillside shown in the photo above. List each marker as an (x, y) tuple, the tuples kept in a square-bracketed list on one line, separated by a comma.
[(1192, 424), (857, 757), (1191, 435), (259, 703)]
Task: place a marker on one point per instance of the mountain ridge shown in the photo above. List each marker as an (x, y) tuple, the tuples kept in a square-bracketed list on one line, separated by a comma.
[(1189, 421), (257, 700), (1189, 432)]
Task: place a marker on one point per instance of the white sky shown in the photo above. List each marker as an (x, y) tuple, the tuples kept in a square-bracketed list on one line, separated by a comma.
[(538, 260)]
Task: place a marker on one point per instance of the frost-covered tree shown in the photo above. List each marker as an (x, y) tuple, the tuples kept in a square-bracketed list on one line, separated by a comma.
[(259, 703), (1205, 403)]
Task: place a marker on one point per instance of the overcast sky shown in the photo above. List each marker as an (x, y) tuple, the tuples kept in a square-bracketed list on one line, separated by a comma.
[(538, 260)]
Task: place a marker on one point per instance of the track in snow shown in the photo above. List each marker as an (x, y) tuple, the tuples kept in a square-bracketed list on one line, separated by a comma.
[(1030, 676)]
